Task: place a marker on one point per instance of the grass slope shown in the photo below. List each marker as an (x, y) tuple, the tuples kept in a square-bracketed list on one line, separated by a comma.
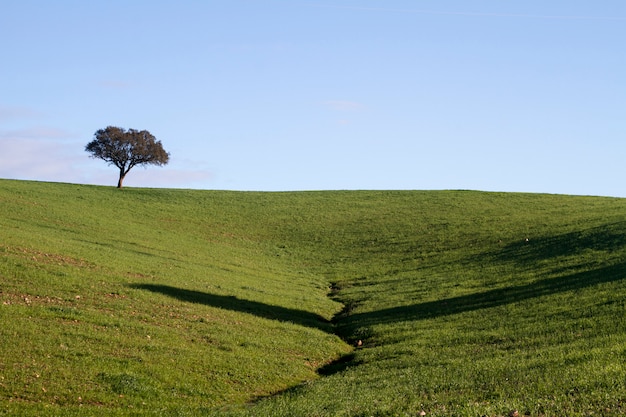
[(178, 302)]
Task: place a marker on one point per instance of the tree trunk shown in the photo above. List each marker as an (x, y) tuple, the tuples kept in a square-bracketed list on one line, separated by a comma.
[(122, 175)]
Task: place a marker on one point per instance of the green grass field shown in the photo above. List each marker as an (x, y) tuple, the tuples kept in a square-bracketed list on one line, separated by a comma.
[(160, 302)]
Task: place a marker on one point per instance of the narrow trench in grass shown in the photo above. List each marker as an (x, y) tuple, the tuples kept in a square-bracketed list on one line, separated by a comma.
[(344, 361), (345, 333), (337, 326)]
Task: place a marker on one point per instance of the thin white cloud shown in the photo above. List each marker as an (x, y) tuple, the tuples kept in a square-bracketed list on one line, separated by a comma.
[(152, 176), (36, 159), (115, 84), (11, 113), (40, 153), (470, 14), (344, 105), (36, 133)]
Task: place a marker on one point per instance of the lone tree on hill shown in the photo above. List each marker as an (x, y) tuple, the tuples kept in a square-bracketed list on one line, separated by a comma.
[(126, 149)]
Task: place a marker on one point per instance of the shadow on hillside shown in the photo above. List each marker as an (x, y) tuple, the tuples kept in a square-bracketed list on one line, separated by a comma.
[(226, 302), (606, 238), (487, 299)]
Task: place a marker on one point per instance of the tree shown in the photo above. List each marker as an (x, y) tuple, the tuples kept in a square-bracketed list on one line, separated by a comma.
[(126, 149)]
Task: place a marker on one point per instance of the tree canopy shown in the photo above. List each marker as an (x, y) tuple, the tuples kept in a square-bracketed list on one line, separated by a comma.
[(126, 149)]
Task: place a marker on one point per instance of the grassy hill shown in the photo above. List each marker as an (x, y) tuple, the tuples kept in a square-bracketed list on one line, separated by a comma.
[(156, 302)]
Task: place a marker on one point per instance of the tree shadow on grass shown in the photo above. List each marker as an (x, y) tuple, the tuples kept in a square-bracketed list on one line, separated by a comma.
[(232, 303), (483, 300), (606, 238)]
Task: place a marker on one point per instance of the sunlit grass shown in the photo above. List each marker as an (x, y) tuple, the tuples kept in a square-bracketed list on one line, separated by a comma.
[(180, 302), (88, 330)]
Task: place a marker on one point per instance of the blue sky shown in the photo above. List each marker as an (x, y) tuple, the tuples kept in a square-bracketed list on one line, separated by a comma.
[(282, 95)]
